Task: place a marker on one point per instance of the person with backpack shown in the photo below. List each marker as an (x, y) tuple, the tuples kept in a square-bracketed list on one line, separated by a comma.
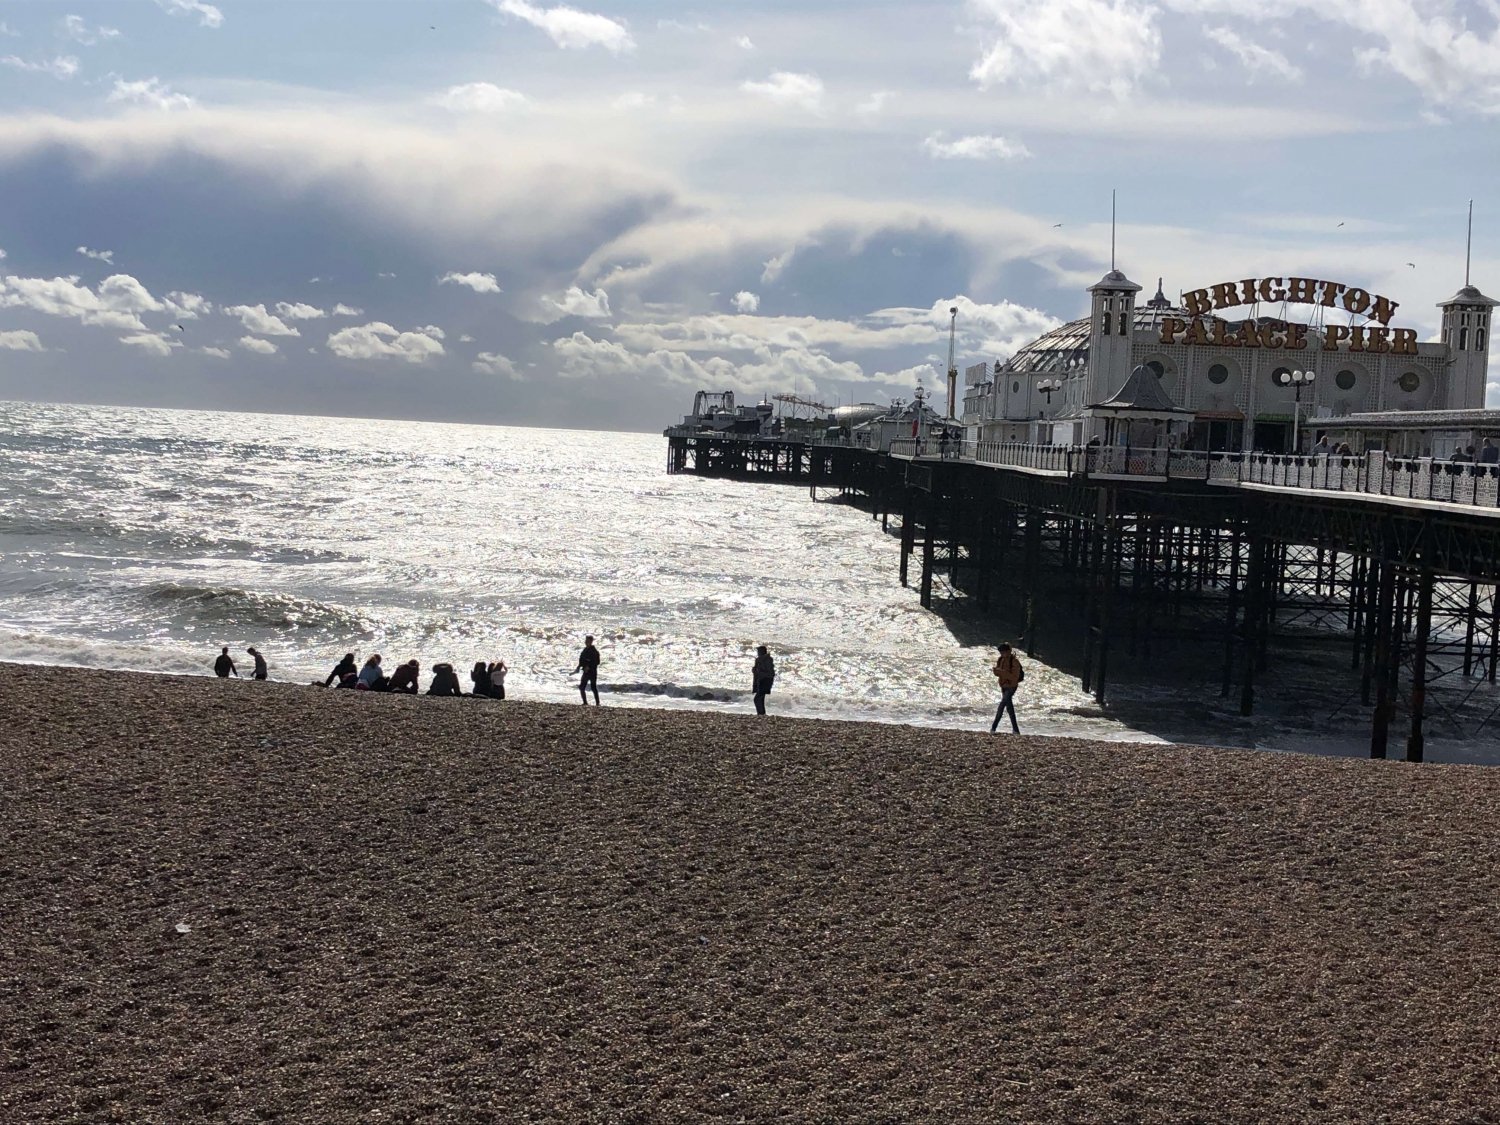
[(1008, 674)]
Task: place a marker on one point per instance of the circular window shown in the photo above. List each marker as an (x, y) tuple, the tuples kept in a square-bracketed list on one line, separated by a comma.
[(1154, 365), (1344, 380), (1218, 373), (1282, 376), (1015, 388), (1409, 381)]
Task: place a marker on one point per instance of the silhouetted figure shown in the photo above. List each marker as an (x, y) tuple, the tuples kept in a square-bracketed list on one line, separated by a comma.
[(224, 665), (371, 675), (1489, 453), (404, 678), (497, 679), (349, 680), (261, 671), (480, 677), (444, 681), (345, 667), (762, 676), (588, 664)]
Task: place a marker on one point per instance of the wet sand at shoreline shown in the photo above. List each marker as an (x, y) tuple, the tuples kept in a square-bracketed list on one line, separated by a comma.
[(263, 902)]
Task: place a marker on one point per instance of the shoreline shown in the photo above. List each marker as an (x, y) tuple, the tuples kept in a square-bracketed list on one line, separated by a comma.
[(238, 903)]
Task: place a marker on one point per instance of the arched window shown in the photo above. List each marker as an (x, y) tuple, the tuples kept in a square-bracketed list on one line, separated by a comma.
[(1479, 339), (1122, 323), (1463, 339)]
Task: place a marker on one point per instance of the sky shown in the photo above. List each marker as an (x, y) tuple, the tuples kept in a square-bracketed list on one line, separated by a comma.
[(519, 212)]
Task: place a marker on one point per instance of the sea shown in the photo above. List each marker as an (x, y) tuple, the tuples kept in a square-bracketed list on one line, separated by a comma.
[(146, 539)]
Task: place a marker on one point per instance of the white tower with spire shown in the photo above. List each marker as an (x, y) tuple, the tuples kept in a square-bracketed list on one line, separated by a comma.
[(1466, 331), (1111, 327)]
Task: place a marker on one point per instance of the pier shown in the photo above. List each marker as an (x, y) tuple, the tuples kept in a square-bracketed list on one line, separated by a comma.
[(1108, 553)]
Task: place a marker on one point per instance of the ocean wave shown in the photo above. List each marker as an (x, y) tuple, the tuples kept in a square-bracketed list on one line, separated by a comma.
[(248, 609), (698, 692)]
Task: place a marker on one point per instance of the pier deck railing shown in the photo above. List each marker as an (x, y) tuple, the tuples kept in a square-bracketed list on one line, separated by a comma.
[(1373, 474)]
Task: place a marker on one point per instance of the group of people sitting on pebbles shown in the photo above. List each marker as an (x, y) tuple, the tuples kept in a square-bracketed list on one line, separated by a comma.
[(488, 680)]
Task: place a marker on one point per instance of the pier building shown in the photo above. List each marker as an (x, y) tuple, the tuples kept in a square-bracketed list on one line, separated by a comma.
[(1249, 364)]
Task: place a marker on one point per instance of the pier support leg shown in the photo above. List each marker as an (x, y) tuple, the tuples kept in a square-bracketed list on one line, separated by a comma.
[(1231, 612), (1385, 628), (908, 534), (1033, 572), (1416, 741), (927, 563), (1255, 601)]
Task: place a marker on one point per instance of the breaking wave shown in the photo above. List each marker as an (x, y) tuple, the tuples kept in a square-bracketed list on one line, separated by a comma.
[(227, 605)]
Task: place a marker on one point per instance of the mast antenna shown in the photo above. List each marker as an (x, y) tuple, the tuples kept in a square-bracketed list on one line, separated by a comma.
[(1469, 245), (952, 363), (1112, 230)]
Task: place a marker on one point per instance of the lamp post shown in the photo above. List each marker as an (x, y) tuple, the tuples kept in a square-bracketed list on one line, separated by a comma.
[(1296, 379), (1047, 387)]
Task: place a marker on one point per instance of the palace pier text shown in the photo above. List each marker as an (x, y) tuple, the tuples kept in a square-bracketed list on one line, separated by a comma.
[(1201, 564)]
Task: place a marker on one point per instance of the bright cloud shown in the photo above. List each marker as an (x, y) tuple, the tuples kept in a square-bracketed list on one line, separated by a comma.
[(98, 255), (975, 148), (379, 340), (77, 29), (256, 319), (804, 91), (1105, 46), (218, 353), (576, 302), (480, 97), (479, 282), (257, 345), (152, 342), (208, 15), (117, 303), (493, 363), (1254, 57), (62, 67), (746, 302), (347, 310), (744, 43), (149, 92), (20, 340), (569, 28), (995, 330), (299, 311), (187, 306)]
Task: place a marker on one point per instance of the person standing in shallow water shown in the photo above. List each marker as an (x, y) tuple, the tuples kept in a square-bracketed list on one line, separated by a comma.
[(224, 665), (588, 664), (762, 676), (261, 671), (1008, 675)]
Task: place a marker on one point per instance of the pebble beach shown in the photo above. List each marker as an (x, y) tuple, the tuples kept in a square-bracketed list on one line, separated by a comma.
[(250, 902)]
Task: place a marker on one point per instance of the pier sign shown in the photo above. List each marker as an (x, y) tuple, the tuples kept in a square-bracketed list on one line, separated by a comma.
[(1267, 333)]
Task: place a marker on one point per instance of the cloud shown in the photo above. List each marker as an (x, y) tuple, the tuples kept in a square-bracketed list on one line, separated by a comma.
[(118, 302), (149, 92), (257, 345), (576, 302), (479, 282), (874, 103), (342, 309), (256, 319), (299, 311), (380, 341), (743, 42), (480, 97), (493, 363), (995, 330), (20, 340), (975, 148), (1103, 46), (788, 89), (1255, 58), (187, 306), (208, 15), (569, 28), (62, 67), (98, 255), (77, 29), (746, 302), (218, 353), (152, 342)]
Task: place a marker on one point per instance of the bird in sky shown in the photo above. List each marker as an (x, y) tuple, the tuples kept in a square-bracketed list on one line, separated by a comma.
[(1341, 224), (180, 328), (1056, 225), (1413, 265)]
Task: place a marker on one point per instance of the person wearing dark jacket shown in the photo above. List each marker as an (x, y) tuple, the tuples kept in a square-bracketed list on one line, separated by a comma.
[(588, 664), (444, 681), (345, 667), (261, 671), (404, 678), (480, 677), (224, 665), (762, 676)]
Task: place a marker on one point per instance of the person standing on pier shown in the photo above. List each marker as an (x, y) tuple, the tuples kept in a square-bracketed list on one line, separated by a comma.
[(762, 676), (1009, 674), (588, 664)]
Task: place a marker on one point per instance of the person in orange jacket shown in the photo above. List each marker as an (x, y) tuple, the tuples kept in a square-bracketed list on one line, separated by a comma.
[(1008, 673)]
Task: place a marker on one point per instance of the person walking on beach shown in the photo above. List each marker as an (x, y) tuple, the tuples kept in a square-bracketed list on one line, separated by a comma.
[(762, 676), (345, 667), (1008, 673), (261, 671), (588, 664), (224, 665)]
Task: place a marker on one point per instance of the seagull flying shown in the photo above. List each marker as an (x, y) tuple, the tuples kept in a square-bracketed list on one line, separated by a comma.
[(1341, 224), (1413, 265), (180, 328), (1056, 225)]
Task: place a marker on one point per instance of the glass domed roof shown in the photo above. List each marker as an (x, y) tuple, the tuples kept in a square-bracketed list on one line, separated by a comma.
[(1066, 348)]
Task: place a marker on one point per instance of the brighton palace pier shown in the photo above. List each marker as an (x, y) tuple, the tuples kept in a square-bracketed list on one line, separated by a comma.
[(1158, 491)]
